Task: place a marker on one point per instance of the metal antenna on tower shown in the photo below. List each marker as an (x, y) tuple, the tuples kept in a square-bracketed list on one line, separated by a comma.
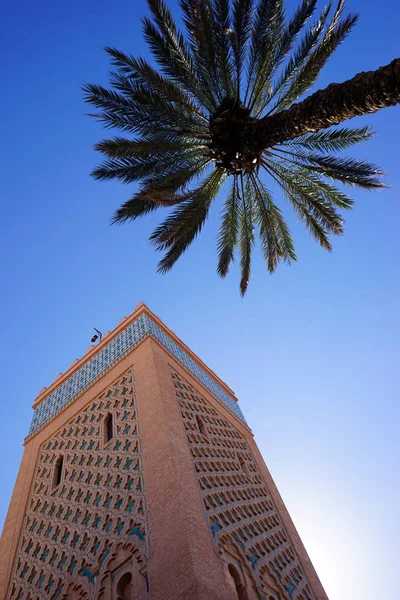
[(98, 335)]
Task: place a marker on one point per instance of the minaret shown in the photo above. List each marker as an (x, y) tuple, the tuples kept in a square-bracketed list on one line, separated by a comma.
[(141, 480)]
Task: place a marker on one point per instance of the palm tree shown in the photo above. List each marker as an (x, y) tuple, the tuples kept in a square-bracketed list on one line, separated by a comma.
[(221, 107)]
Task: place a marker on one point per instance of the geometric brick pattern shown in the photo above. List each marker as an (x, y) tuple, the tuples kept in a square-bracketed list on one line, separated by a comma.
[(108, 356), (74, 529), (241, 514)]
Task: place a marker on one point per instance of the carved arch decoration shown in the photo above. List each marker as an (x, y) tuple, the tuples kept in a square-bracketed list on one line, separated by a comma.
[(239, 584), (125, 561), (71, 532), (235, 560)]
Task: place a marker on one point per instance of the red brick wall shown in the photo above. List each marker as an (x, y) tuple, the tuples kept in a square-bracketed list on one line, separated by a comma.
[(183, 562)]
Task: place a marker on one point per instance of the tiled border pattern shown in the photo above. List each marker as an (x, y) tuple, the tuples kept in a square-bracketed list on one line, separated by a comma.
[(195, 369), (88, 374), (109, 356)]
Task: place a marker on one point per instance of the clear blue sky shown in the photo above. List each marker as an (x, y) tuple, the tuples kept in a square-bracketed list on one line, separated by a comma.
[(311, 352)]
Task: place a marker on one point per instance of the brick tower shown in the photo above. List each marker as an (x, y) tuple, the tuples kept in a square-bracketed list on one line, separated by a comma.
[(141, 480)]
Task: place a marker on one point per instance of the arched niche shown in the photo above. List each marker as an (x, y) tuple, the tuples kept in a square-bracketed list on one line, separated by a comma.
[(239, 582)]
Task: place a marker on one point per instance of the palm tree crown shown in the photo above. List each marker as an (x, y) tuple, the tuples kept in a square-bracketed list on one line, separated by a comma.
[(236, 66)]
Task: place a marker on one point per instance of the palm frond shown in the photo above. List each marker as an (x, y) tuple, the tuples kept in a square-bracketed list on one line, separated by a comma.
[(296, 60), (267, 29), (332, 140), (314, 226), (163, 19), (147, 99), (246, 231), (171, 52), (308, 195), (168, 189), (132, 209), (336, 33), (144, 149), (223, 47), (287, 39), (228, 233), (295, 25), (276, 242), (166, 87), (350, 171), (158, 191), (179, 230), (131, 168), (240, 35), (117, 111), (200, 26), (329, 192), (139, 110)]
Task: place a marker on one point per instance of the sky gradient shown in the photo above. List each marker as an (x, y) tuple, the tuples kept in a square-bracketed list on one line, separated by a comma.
[(311, 352)]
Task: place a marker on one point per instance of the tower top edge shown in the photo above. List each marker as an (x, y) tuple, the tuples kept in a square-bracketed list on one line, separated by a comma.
[(140, 309)]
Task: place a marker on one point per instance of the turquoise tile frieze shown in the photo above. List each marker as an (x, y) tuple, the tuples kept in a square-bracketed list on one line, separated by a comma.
[(195, 369), (109, 356), (89, 373)]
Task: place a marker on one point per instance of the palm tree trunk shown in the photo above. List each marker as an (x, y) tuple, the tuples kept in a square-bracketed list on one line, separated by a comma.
[(363, 94)]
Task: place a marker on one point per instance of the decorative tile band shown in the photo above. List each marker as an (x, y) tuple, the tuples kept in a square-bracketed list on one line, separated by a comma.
[(88, 374), (109, 356), (195, 369)]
